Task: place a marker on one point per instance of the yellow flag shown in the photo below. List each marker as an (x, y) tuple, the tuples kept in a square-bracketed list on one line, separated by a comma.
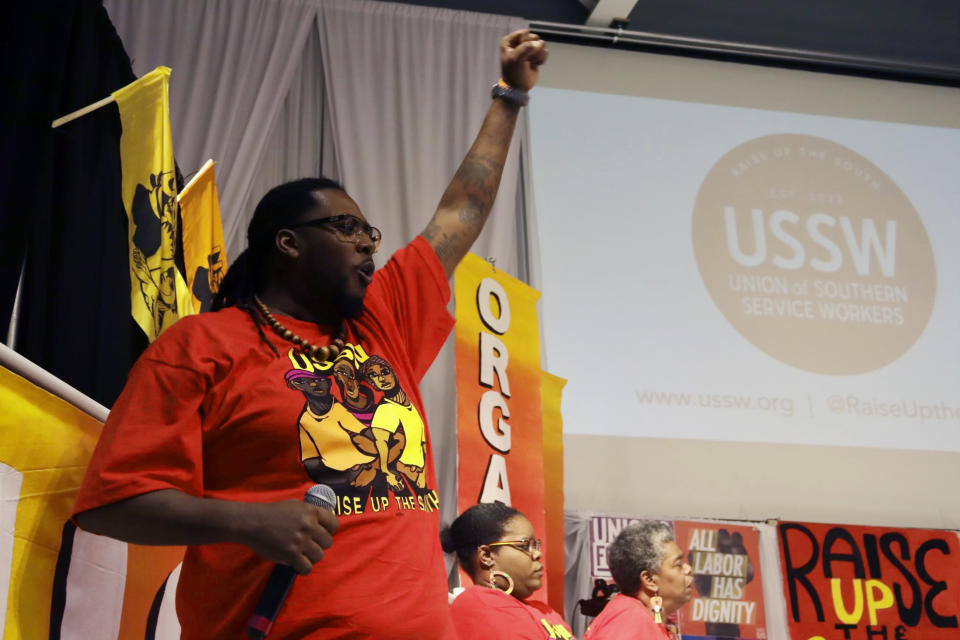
[(158, 293), (203, 250)]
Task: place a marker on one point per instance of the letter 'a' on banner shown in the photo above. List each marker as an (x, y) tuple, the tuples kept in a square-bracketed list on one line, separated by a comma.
[(204, 255), (158, 293), (846, 581), (499, 428)]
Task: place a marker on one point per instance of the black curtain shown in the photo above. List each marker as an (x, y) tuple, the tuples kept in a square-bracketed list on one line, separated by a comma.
[(61, 197)]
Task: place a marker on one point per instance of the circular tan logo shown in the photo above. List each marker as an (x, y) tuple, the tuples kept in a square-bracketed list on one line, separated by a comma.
[(814, 254)]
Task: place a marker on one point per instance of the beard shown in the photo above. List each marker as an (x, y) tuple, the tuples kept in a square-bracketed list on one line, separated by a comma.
[(333, 288), (348, 306)]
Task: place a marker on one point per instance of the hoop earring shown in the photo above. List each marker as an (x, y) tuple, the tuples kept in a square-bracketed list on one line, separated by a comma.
[(505, 576)]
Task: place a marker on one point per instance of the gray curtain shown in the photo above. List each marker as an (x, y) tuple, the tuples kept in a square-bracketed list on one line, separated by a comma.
[(400, 138), (383, 96), (233, 66), (300, 142), (408, 88), (576, 574)]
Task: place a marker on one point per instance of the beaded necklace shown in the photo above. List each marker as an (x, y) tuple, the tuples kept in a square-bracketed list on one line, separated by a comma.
[(321, 354)]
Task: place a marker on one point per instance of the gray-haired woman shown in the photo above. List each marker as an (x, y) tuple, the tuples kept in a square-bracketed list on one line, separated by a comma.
[(654, 582)]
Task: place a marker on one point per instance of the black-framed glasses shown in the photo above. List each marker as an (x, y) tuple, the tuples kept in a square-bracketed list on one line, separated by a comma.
[(527, 545), (345, 227)]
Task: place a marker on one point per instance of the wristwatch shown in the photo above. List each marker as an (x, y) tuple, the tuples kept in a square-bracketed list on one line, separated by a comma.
[(510, 94)]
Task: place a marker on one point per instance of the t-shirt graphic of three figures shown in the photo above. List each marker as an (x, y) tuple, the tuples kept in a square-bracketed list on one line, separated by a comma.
[(367, 436)]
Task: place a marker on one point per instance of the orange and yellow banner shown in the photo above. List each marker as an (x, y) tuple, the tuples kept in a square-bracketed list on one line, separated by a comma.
[(204, 256), (499, 428), (551, 392)]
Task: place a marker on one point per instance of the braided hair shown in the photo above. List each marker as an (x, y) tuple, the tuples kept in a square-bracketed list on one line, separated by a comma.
[(282, 206), (480, 524)]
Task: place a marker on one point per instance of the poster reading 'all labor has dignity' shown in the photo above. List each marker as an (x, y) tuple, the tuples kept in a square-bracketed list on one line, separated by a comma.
[(727, 588)]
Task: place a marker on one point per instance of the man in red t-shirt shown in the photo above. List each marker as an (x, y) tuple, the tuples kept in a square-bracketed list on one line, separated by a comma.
[(308, 373)]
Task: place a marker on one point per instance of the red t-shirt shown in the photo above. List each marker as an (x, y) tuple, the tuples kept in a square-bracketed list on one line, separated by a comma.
[(481, 613), (626, 618), (210, 410)]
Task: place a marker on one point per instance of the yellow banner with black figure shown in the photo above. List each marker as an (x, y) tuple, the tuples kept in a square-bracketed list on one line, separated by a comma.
[(204, 255), (158, 293)]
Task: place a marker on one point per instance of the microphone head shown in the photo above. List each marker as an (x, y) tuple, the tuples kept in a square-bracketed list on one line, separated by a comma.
[(322, 496)]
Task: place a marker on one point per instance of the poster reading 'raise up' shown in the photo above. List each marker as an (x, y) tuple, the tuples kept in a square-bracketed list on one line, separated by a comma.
[(846, 582)]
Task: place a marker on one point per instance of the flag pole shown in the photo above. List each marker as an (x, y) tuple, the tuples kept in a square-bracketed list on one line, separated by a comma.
[(194, 178), (82, 112)]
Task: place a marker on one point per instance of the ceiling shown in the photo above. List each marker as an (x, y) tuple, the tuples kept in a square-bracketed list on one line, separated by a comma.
[(914, 33)]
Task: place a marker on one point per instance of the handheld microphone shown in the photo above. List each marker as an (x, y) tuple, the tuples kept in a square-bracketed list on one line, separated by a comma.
[(281, 579)]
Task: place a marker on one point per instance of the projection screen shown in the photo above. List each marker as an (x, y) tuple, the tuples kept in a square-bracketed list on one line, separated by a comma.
[(751, 254)]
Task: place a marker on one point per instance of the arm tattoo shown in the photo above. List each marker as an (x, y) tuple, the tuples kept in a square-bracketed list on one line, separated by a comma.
[(477, 173), (444, 244), (479, 178), (467, 201), (473, 212)]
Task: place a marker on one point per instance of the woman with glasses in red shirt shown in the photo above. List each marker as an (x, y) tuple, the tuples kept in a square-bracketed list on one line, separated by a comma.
[(497, 547)]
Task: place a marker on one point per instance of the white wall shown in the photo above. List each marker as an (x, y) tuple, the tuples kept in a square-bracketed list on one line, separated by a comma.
[(749, 481)]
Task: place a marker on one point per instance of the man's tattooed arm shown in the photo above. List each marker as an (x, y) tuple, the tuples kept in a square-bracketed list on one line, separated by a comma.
[(467, 201)]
